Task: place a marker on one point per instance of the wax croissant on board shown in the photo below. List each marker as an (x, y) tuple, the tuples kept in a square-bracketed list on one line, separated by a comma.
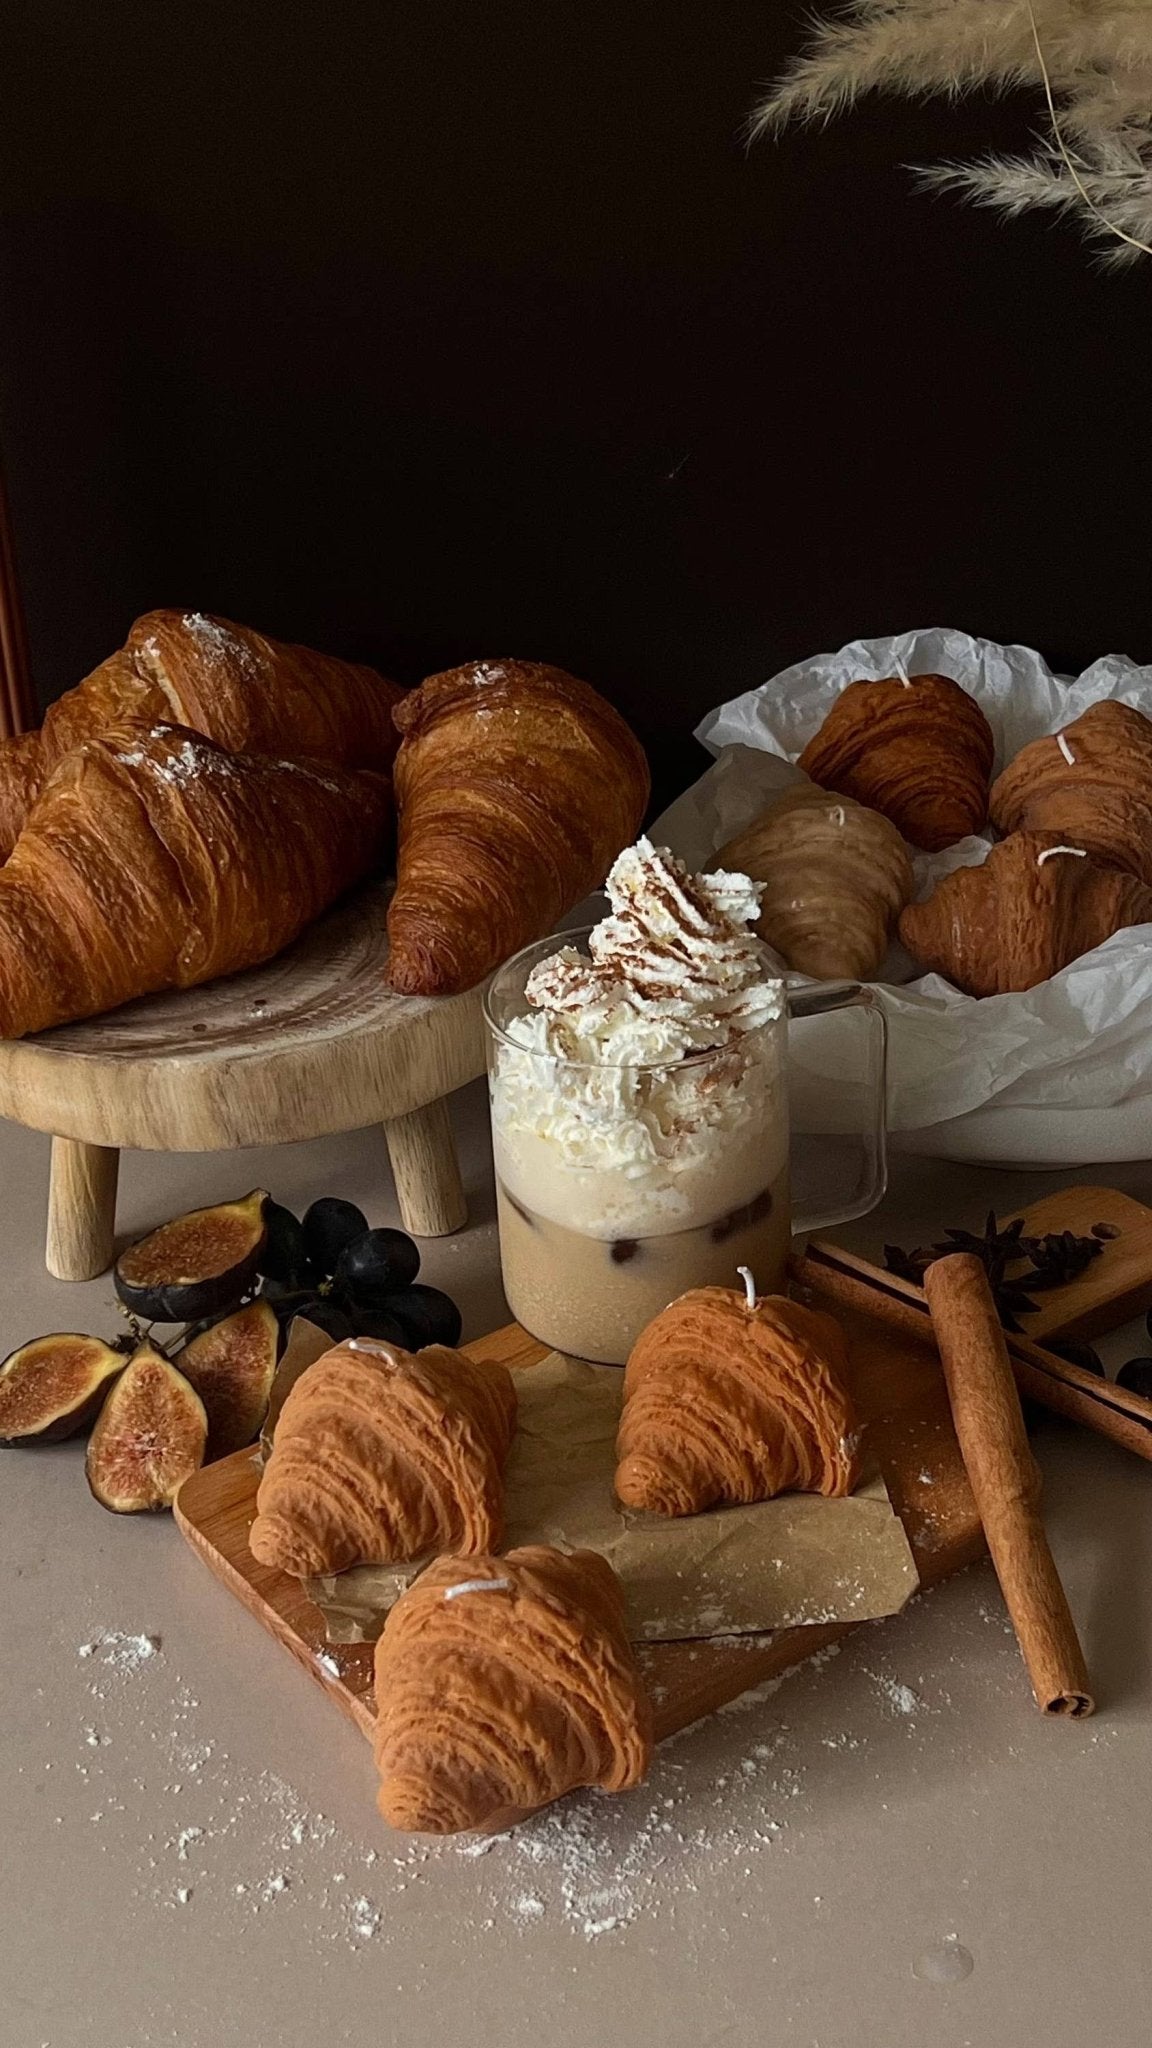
[(729, 1402), (836, 876), (919, 751), (382, 1454), (154, 860), (517, 786), (1035, 905), (236, 686), (1090, 784), (502, 1683)]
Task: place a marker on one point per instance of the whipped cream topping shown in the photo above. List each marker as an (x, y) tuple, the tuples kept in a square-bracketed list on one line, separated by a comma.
[(608, 1070), (673, 969)]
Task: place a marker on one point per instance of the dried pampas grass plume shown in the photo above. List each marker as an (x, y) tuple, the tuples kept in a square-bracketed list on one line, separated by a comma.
[(1092, 59)]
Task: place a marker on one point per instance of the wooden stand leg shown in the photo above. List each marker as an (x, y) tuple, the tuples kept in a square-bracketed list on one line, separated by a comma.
[(81, 1209), (425, 1169)]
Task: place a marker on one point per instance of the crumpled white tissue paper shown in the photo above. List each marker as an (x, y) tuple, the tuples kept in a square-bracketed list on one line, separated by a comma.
[(1059, 1076)]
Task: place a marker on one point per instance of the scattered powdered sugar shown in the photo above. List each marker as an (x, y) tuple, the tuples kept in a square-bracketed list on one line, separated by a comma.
[(215, 643), (125, 1652), (900, 1697), (364, 1918), (209, 1835)]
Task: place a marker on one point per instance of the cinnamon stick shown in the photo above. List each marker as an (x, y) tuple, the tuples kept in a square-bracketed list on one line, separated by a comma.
[(1005, 1481)]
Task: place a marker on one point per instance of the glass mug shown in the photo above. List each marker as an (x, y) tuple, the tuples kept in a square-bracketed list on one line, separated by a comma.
[(619, 1188)]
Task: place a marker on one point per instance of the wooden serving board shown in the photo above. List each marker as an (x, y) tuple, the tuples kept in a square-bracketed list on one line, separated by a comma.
[(900, 1390)]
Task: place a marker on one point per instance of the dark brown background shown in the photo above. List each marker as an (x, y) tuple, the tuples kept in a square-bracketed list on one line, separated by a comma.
[(470, 327)]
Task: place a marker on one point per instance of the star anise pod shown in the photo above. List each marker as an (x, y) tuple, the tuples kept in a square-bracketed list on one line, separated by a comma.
[(994, 1246), (1059, 1256), (908, 1265), (1055, 1258)]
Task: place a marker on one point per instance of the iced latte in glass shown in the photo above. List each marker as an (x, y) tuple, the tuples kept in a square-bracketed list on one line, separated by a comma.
[(639, 1108)]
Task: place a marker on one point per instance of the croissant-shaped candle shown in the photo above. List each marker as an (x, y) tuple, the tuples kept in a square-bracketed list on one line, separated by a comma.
[(381, 1455), (502, 1683), (1091, 785), (918, 749), (1033, 907), (517, 787), (154, 860), (733, 1398), (248, 693), (836, 877)]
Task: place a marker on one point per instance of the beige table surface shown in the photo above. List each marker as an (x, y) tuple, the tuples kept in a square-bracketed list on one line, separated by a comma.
[(189, 1851)]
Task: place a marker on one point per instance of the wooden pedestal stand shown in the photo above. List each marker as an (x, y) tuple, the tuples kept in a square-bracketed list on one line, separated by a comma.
[(312, 1044)]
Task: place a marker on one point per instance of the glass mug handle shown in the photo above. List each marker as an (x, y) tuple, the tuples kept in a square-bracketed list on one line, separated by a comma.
[(824, 1189)]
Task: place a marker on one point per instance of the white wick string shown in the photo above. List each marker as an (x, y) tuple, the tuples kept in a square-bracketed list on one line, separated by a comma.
[(477, 1586), (373, 1345), (901, 671), (1079, 851), (745, 1273), (835, 817), (1066, 750)]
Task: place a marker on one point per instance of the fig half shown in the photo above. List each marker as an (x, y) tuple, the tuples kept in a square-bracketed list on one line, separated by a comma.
[(196, 1264), (149, 1437), (231, 1366), (54, 1387)]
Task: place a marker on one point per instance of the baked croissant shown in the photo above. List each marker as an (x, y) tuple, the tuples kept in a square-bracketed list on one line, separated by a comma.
[(502, 1683), (517, 787), (154, 860), (22, 773), (1090, 784), (728, 1401), (836, 877), (382, 1454), (919, 751), (248, 693), (1034, 906)]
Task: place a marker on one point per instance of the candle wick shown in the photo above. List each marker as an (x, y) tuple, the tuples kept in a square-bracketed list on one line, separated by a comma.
[(745, 1273)]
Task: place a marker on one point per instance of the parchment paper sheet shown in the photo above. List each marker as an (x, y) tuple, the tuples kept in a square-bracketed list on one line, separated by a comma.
[(734, 1571)]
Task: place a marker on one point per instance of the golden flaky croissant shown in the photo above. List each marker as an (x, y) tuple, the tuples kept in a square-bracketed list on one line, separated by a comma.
[(1034, 906), (382, 1454), (502, 1683), (154, 860), (920, 751), (836, 877), (517, 787), (248, 693), (731, 1401), (1090, 784), (22, 774)]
